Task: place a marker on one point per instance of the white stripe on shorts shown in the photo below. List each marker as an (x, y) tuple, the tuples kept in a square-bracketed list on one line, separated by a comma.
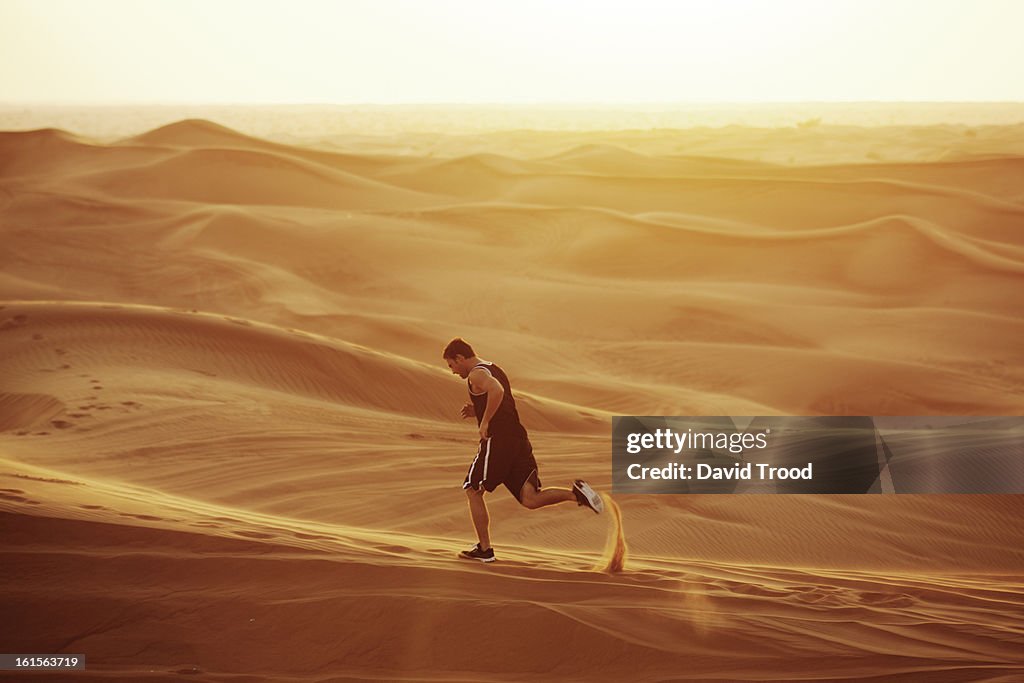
[(469, 477), (487, 456)]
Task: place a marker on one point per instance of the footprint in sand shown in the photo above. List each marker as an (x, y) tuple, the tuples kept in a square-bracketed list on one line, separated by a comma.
[(15, 322), (311, 537), (148, 518), (92, 507), (651, 576), (62, 424), (818, 597)]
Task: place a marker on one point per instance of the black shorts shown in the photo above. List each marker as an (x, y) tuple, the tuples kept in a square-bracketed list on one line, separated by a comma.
[(503, 460)]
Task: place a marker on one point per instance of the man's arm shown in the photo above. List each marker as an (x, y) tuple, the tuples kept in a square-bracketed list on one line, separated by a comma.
[(485, 381)]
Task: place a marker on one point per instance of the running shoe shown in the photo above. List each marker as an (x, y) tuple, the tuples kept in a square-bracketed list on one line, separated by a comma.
[(477, 554), (587, 496)]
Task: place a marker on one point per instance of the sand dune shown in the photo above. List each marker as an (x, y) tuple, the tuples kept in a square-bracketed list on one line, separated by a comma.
[(266, 596), (229, 447), (233, 176), (40, 154), (200, 133), (237, 350)]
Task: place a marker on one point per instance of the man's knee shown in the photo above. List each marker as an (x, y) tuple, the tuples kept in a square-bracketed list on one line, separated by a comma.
[(473, 493)]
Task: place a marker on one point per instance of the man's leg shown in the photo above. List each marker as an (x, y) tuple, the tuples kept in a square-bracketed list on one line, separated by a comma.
[(478, 512), (531, 498)]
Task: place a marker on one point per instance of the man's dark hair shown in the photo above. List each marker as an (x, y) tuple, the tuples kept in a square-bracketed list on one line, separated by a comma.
[(458, 347)]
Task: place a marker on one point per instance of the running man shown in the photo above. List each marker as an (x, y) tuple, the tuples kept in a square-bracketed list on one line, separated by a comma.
[(505, 455)]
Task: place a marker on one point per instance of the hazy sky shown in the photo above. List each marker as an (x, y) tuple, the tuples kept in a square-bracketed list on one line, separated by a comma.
[(386, 51)]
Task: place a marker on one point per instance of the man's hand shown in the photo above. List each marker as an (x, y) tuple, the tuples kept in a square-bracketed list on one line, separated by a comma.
[(484, 427), (467, 410)]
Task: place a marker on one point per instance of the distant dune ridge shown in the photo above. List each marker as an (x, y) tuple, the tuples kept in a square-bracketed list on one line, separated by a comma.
[(229, 446)]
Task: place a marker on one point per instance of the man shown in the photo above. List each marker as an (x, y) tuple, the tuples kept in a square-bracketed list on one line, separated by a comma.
[(505, 455)]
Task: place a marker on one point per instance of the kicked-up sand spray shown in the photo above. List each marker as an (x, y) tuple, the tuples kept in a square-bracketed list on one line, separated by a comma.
[(614, 558)]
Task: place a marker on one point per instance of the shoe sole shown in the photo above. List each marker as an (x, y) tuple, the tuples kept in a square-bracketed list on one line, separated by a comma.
[(594, 501), (477, 559)]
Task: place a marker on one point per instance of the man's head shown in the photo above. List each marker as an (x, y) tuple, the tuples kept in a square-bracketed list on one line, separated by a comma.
[(458, 355)]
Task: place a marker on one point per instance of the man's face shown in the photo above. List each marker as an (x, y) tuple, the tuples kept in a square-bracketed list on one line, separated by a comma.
[(458, 366)]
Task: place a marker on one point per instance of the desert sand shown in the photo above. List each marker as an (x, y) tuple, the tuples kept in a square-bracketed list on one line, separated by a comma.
[(229, 447)]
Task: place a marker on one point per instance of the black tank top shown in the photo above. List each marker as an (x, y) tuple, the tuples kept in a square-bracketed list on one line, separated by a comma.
[(506, 419)]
